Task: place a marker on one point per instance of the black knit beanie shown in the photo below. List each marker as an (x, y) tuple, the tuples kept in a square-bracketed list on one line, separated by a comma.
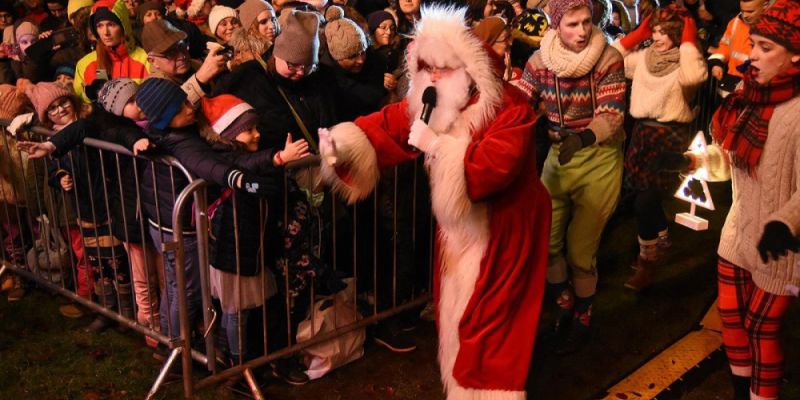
[(103, 14)]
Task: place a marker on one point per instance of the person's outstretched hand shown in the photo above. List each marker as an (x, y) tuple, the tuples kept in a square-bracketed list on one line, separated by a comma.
[(36, 149), (294, 150)]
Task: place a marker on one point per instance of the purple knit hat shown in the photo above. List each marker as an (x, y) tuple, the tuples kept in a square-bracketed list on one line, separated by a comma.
[(560, 7)]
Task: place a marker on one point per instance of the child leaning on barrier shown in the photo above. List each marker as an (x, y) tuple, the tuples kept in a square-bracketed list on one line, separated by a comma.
[(173, 129), (243, 237), (80, 171), (114, 120)]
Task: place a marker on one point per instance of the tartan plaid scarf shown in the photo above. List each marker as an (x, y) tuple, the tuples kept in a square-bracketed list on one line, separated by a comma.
[(741, 123)]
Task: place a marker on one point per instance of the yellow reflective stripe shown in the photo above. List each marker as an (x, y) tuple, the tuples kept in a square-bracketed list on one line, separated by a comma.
[(669, 365)]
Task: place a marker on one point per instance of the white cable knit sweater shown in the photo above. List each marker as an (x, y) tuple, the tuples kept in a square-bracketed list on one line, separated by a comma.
[(664, 98), (772, 194)]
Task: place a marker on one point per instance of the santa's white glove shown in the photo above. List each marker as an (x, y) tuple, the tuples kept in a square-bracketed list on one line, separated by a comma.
[(327, 147), (20, 122), (422, 137)]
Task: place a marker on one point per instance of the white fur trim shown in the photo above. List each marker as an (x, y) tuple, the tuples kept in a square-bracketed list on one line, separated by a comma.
[(195, 7), (464, 230), (227, 119), (443, 39), (354, 152)]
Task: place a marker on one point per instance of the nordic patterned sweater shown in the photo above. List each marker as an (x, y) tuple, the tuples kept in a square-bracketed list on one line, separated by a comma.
[(573, 71)]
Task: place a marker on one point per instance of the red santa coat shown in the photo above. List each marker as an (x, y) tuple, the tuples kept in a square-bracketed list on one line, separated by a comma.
[(493, 216)]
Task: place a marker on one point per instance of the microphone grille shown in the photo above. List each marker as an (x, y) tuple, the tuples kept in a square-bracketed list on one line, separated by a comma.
[(429, 96)]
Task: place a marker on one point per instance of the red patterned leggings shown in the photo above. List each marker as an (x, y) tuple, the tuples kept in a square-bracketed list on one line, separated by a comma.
[(751, 325)]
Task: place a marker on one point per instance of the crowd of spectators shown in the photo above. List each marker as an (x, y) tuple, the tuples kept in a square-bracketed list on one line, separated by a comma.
[(237, 89)]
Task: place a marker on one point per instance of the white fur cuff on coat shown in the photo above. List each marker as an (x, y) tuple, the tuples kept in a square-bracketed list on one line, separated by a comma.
[(354, 153)]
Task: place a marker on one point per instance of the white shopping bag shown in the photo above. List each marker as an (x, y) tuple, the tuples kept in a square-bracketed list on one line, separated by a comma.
[(326, 317)]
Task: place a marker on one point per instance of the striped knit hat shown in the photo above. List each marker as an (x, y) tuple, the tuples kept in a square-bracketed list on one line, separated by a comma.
[(160, 100), (781, 23)]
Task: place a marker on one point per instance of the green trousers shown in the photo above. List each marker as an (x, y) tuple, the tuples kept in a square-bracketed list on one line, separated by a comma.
[(584, 193)]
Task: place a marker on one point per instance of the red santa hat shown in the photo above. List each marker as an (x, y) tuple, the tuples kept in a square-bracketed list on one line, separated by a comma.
[(190, 8), (228, 115), (444, 40)]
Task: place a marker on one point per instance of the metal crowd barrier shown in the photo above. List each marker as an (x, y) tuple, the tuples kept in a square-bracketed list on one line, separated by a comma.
[(346, 240), (707, 100), (26, 196)]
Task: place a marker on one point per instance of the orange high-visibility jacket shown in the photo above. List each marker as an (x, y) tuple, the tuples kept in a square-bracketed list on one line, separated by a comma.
[(734, 47)]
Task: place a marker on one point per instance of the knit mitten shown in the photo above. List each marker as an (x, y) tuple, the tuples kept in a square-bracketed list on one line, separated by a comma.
[(642, 33)]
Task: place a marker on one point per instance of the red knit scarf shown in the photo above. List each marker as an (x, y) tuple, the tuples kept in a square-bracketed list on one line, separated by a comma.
[(741, 123)]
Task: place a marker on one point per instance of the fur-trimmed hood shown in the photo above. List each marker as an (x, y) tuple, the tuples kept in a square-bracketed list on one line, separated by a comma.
[(443, 39)]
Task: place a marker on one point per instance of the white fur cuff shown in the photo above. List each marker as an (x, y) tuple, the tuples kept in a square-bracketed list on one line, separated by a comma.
[(355, 156)]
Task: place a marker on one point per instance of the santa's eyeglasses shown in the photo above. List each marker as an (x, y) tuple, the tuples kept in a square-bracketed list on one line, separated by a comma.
[(435, 70)]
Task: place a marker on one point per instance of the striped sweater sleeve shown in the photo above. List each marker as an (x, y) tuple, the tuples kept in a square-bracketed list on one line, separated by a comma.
[(611, 102), (529, 82)]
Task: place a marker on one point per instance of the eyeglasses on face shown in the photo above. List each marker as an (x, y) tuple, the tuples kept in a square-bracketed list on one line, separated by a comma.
[(59, 105), (307, 68)]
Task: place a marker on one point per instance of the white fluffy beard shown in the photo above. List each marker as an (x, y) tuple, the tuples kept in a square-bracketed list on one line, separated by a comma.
[(452, 95)]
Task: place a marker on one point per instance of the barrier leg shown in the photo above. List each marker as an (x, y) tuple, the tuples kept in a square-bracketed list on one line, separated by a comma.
[(251, 382), (163, 373)]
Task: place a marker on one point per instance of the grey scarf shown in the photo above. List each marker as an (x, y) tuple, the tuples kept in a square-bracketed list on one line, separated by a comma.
[(662, 63)]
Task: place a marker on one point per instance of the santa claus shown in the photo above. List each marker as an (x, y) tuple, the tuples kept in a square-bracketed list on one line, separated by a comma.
[(492, 211)]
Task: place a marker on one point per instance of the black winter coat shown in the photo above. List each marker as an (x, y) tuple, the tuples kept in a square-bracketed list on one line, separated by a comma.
[(200, 160), (93, 174), (313, 98), (362, 93), (257, 228)]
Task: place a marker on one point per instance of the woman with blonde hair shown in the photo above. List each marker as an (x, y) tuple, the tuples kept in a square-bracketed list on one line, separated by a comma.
[(259, 18)]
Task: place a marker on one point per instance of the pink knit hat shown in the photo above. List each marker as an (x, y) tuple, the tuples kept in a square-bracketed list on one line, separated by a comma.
[(560, 7), (43, 94)]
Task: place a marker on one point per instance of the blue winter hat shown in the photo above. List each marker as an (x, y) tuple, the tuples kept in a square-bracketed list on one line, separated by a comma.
[(160, 100), (65, 69)]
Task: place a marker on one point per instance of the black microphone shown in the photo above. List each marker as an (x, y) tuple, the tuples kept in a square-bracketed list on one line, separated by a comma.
[(428, 103)]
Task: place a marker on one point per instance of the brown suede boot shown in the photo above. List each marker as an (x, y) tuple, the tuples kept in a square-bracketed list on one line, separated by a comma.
[(649, 256)]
